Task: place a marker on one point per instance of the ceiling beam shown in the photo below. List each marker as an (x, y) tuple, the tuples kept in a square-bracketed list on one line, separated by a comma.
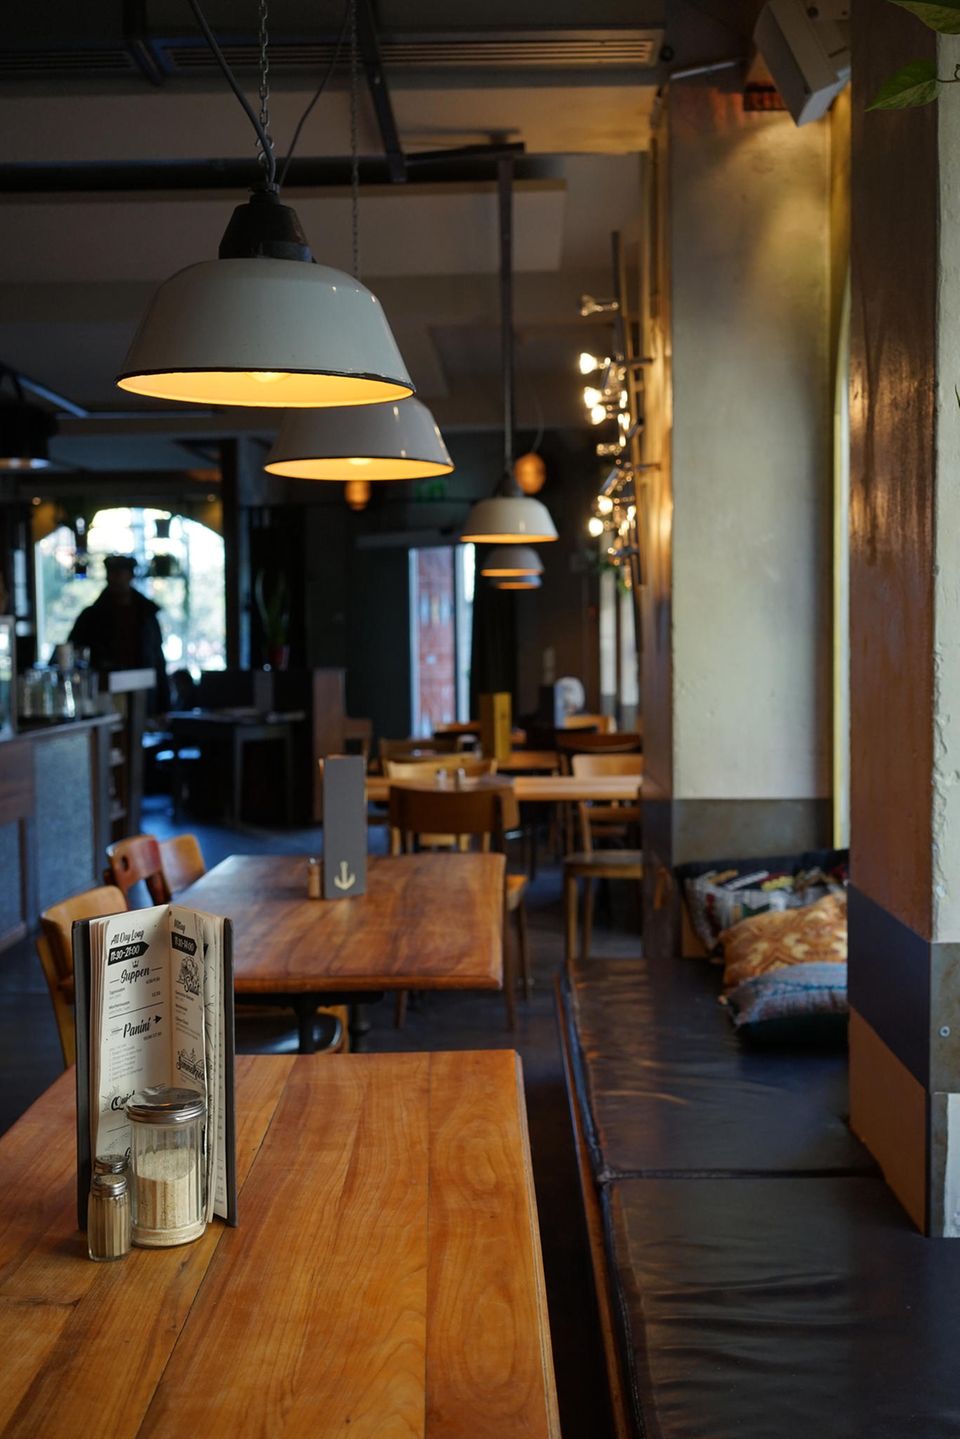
[(369, 46)]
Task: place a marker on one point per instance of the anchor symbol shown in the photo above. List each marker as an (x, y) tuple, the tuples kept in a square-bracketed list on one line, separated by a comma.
[(345, 880)]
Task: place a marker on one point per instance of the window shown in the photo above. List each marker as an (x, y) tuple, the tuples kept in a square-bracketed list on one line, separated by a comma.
[(441, 616), (180, 568)]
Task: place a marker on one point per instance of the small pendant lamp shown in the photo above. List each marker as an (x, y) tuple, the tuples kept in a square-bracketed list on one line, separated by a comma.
[(357, 494), (530, 473), (528, 582), (508, 517), (375, 442), (511, 562), (264, 325), (25, 430)]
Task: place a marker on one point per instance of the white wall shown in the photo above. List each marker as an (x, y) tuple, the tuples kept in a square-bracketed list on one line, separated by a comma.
[(752, 417)]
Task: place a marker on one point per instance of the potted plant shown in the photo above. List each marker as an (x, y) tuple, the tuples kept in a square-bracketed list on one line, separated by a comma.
[(274, 611)]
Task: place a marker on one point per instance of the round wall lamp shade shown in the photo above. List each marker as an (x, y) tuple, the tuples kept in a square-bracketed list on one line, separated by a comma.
[(264, 332), (509, 520), (529, 582), (376, 442), (511, 562)]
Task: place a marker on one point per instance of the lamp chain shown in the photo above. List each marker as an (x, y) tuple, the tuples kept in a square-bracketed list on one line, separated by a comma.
[(354, 156), (266, 151)]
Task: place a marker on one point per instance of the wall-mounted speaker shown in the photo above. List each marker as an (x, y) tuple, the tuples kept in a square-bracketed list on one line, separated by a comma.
[(806, 48)]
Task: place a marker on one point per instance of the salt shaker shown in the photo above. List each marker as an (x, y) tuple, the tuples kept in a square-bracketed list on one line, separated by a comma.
[(313, 879), (166, 1157), (108, 1217)]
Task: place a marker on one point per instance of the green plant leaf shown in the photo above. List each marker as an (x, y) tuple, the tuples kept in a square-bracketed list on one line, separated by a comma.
[(944, 17), (915, 84)]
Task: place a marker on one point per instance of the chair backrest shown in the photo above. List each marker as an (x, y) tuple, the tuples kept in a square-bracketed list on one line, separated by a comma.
[(55, 952), (589, 765), (137, 859), (599, 724), (474, 813), (407, 749), (424, 769), (576, 743), (181, 861)]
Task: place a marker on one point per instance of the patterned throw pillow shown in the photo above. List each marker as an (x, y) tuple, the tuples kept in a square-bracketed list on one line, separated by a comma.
[(804, 1004), (721, 898), (775, 940)]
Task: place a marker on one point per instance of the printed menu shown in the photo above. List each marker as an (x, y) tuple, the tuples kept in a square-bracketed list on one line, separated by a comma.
[(154, 1006)]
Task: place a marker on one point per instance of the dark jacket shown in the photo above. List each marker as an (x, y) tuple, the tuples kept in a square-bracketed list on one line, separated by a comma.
[(102, 629)]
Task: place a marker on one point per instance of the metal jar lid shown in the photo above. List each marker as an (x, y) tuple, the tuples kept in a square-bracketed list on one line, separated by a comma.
[(114, 1186), (110, 1164), (161, 1104)]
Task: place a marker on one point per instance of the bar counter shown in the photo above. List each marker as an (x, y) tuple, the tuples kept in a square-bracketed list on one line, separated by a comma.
[(54, 816)]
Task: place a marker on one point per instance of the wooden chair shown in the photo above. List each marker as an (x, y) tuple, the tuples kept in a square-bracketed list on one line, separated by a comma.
[(409, 749), (358, 732), (599, 724), (55, 951), (599, 820), (569, 744), (181, 860), (602, 864), (427, 769), (136, 860), (476, 815)]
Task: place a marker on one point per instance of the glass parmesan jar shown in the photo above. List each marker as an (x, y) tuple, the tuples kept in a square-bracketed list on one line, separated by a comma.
[(166, 1162)]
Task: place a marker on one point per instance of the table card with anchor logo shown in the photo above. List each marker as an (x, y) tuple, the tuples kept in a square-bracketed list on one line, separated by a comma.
[(344, 827)]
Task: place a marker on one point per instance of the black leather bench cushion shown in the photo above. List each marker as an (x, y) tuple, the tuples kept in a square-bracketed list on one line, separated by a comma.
[(784, 1309), (666, 1087)]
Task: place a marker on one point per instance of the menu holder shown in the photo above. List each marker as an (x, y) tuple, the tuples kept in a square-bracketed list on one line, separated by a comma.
[(154, 1005), (344, 827)]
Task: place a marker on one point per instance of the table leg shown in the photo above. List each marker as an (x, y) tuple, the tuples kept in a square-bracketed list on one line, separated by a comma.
[(305, 1008), (358, 1027), (235, 798), (288, 776)]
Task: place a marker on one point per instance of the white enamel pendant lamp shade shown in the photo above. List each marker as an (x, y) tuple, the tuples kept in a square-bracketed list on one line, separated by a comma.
[(511, 562), (509, 520), (265, 326), (526, 582), (376, 442)]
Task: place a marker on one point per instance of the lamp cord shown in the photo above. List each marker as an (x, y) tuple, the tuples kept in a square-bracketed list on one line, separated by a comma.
[(267, 157), (263, 139), (317, 93), (354, 146)]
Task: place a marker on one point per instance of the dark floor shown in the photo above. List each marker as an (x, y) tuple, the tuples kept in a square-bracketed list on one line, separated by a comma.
[(30, 1060)]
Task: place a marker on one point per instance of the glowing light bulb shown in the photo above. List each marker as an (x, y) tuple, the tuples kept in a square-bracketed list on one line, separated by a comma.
[(604, 504), (359, 460), (597, 415), (624, 399), (265, 377), (588, 363), (592, 396), (631, 512), (594, 527)]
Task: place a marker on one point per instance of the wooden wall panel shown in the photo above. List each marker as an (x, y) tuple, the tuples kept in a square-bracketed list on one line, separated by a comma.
[(892, 415), (888, 1111)]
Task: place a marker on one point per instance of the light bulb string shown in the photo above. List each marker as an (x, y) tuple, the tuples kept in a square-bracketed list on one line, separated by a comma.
[(263, 139), (354, 142)]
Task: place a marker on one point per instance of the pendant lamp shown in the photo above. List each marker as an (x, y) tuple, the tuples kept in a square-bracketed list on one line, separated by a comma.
[(528, 582), (373, 442), (25, 430), (511, 562), (264, 325), (509, 517)]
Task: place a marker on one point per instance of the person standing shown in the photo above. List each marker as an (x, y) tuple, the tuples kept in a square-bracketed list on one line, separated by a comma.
[(122, 631)]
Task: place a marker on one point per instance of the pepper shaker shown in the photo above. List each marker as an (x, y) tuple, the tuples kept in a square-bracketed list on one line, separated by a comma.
[(313, 878), (108, 1217)]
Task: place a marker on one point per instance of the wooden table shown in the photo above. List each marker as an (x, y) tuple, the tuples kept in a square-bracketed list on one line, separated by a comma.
[(427, 921), (386, 1277), (232, 732), (535, 789)]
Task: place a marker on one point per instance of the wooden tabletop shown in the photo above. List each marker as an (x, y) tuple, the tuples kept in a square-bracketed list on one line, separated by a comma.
[(385, 1279), (427, 921), (536, 789)]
